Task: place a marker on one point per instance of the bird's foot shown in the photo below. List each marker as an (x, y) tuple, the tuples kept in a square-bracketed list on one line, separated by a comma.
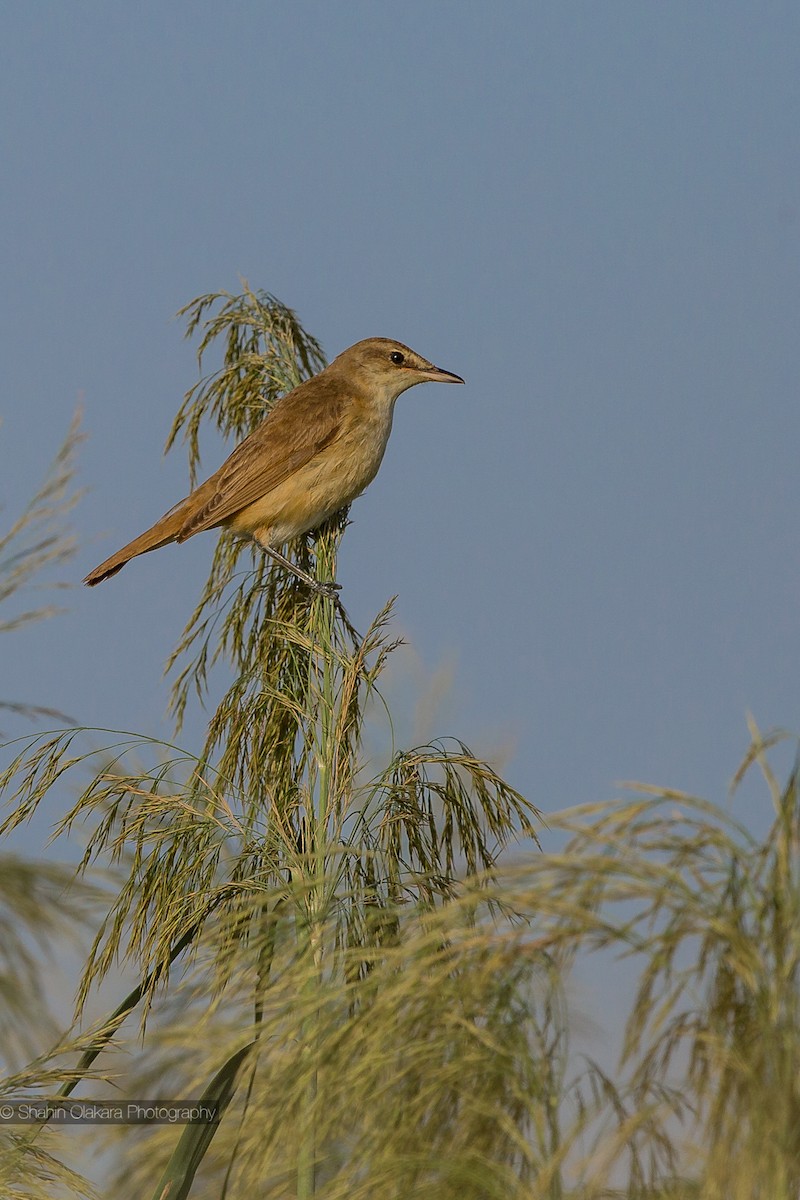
[(328, 589)]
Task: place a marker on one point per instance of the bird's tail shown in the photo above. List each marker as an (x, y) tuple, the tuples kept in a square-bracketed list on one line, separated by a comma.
[(161, 534)]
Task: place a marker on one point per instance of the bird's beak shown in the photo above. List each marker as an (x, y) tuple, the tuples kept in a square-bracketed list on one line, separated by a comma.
[(437, 375)]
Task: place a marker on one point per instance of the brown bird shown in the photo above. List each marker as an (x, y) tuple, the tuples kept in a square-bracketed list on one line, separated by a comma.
[(317, 449)]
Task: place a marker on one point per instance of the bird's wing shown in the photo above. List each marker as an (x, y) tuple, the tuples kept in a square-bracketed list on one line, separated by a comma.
[(300, 425)]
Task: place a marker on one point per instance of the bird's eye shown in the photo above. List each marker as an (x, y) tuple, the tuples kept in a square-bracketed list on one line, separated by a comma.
[(397, 358)]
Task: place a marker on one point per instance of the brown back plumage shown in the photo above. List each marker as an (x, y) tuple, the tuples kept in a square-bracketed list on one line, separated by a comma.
[(299, 425)]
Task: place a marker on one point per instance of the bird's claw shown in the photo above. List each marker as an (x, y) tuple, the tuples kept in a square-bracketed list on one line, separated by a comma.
[(329, 589)]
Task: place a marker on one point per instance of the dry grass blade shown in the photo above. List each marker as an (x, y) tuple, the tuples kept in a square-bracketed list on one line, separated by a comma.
[(712, 916), (36, 541), (32, 1172), (41, 906)]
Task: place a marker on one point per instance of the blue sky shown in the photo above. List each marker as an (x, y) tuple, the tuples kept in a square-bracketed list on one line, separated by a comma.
[(591, 212)]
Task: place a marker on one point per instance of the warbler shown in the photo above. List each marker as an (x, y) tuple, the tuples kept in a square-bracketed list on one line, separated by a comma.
[(318, 448)]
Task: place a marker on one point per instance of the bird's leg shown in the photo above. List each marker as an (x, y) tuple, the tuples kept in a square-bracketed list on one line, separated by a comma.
[(322, 589)]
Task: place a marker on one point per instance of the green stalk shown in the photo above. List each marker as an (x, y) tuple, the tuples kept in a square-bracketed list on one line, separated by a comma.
[(321, 708)]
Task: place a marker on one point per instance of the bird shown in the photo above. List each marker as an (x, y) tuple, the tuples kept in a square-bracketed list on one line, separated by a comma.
[(317, 449)]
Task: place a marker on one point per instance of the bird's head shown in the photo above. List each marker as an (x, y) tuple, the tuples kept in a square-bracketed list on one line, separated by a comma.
[(386, 368)]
